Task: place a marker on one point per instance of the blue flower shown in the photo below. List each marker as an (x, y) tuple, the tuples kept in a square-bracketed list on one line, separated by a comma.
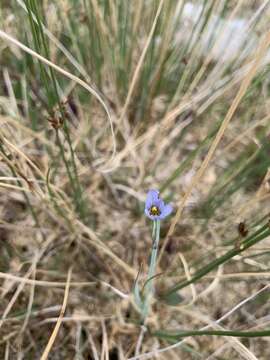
[(155, 208)]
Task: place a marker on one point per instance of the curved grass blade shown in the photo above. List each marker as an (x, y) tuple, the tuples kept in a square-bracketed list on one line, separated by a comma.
[(259, 235)]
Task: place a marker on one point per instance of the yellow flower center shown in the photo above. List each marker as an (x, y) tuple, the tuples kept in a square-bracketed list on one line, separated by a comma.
[(154, 210)]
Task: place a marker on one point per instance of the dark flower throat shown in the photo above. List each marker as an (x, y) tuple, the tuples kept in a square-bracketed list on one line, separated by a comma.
[(154, 210)]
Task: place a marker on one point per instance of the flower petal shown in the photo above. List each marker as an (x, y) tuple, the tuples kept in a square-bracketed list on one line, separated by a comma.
[(151, 198), (167, 209), (160, 204)]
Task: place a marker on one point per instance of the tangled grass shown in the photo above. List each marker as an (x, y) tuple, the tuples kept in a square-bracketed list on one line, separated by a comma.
[(101, 100)]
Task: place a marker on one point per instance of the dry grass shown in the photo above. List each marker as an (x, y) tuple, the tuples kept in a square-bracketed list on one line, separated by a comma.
[(139, 114)]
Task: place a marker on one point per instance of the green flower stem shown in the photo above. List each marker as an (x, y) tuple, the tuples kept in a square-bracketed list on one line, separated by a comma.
[(154, 230), (149, 284)]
